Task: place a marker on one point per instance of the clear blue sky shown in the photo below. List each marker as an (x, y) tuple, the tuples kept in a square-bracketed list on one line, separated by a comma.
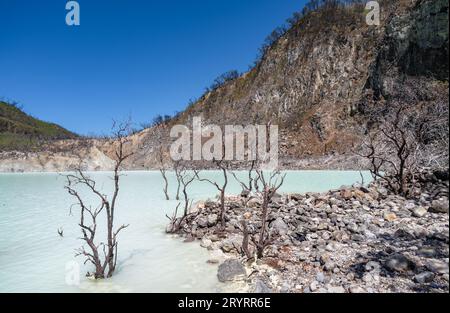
[(128, 57)]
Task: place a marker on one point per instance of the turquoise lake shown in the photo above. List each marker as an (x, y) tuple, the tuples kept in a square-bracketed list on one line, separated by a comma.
[(34, 258)]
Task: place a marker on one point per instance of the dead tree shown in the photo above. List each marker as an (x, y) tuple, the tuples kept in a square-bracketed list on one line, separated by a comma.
[(220, 187), (247, 188), (163, 171), (178, 168), (185, 179), (271, 183), (102, 255), (391, 152)]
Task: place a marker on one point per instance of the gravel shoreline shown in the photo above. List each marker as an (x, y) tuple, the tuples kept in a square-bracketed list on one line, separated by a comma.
[(358, 239)]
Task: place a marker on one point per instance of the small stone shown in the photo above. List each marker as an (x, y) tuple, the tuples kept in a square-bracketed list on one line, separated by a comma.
[(357, 237), (206, 243), (390, 217), (346, 194), (329, 266), (254, 203), (314, 286), (420, 212), (368, 278), (230, 270), (202, 222), (357, 289), (320, 277), (372, 266), (424, 278), (213, 261), (212, 220), (261, 287), (336, 290)]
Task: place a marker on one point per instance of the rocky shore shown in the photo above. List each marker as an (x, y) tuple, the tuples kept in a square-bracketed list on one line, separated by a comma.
[(358, 239)]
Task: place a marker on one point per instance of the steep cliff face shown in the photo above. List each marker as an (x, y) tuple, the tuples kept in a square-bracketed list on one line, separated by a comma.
[(313, 80), (321, 79)]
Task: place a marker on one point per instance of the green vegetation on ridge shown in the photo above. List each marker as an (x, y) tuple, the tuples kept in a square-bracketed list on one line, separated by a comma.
[(19, 131)]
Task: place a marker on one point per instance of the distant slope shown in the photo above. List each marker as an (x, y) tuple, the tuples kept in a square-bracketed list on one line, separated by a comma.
[(19, 131)]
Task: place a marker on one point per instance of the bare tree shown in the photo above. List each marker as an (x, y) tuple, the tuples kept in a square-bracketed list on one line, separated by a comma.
[(178, 168), (221, 188), (163, 171), (247, 188), (392, 151), (271, 183), (104, 266), (185, 179)]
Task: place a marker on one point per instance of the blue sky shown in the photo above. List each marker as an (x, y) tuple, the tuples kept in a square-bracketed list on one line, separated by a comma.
[(135, 58)]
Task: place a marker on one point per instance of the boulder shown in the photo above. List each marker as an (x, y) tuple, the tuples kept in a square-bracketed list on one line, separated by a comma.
[(439, 206), (232, 243), (212, 220), (202, 222), (424, 278), (254, 203), (230, 270), (399, 263), (438, 266), (279, 226)]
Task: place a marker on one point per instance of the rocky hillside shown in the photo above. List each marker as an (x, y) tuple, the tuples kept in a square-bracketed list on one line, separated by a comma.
[(325, 77), (322, 80), (19, 131)]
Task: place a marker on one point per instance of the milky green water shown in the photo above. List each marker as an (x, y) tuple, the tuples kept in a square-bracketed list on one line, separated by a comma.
[(34, 258)]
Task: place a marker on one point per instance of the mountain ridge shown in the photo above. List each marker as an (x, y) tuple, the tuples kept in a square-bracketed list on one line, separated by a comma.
[(19, 130)]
